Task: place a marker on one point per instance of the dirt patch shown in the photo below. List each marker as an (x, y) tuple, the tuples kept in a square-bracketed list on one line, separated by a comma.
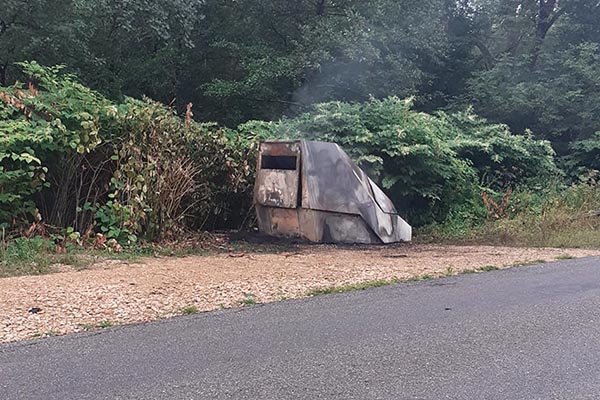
[(119, 293)]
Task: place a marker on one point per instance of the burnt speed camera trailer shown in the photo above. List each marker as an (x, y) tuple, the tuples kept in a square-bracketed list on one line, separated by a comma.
[(313, 190)]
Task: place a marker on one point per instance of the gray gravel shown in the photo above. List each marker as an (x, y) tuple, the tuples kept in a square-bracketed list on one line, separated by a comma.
[(522, 333)]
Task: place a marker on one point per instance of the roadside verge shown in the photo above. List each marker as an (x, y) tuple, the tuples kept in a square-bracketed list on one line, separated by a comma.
[(121, 293)]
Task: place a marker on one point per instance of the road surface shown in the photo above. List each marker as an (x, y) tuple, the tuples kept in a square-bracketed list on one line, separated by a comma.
[(523, 333)]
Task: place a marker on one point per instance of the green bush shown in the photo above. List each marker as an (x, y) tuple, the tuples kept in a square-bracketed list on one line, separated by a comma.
[(71, 158), (172, 173), (43, 124), (502, 159)]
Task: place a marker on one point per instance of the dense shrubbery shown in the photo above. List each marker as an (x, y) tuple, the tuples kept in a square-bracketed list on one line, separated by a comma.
[(70, 158), (173, 172), (50, 123)]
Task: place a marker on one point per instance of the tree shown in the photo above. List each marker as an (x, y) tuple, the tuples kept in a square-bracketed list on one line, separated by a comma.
[(138, 47), (543, 73), (135, 47), (268, 57), (47, 31)]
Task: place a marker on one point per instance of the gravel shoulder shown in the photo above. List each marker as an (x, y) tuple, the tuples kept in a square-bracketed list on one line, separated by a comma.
[(119, 293)]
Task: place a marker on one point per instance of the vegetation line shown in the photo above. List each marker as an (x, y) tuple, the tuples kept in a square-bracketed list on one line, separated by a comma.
[(449, 272)]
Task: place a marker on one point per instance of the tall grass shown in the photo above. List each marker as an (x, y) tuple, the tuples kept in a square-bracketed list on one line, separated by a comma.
[(35, 256), (549, 217)]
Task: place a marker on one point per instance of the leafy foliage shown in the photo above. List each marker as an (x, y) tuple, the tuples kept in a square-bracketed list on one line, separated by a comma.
[(317, 51), (173, 173), (52, 118), (502, 159), (541, 71), (71, 158), (557, 101), (585, 154)]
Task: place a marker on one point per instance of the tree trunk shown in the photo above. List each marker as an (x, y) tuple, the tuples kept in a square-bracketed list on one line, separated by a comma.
[(544, 22), (321, 7), (545, 19), (3, 74)]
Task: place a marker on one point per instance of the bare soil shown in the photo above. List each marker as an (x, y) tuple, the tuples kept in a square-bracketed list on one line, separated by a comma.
[(118, 292)]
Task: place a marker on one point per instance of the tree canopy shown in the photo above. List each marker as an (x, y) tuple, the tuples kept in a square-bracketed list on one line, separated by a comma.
[(532, 64)]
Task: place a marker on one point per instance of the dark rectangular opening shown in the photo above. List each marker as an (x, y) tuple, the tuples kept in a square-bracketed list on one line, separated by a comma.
[(278, 162)]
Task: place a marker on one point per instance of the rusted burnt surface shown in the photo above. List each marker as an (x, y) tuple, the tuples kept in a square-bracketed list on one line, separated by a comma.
[(278, 189), (314, 225), (278, 178), (314, 190), (277, 221)]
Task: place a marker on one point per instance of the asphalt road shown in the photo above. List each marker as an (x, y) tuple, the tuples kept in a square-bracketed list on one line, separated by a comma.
[(524, 333)]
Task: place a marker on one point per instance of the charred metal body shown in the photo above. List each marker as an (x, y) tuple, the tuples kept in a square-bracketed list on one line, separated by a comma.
[(313, 190)]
